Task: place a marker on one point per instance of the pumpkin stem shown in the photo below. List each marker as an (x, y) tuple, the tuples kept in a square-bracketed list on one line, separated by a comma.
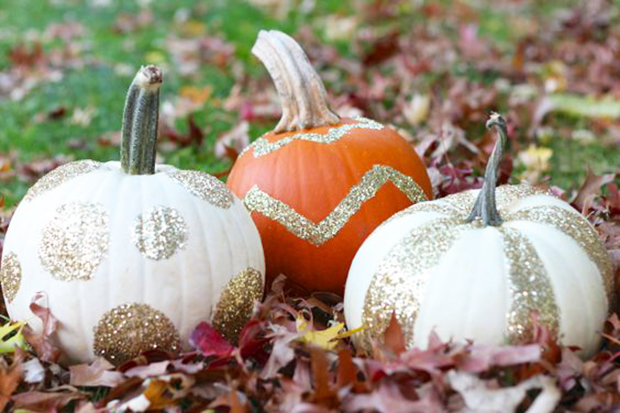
[(485, 207), (301, 91), (140, 122)]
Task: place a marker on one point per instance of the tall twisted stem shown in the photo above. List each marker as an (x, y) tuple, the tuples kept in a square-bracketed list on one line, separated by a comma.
[(485, 207)]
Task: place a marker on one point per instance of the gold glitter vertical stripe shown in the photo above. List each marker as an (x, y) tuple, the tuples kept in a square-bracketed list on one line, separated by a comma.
[(575, 226), (236, 303), (530, 288), (506, 195), (10, 275), (462, 203), (456, 205), (317, 234), (263, 147), (399, 285)]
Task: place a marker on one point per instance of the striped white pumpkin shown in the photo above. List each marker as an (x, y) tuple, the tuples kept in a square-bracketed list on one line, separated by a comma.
[(467, 281)]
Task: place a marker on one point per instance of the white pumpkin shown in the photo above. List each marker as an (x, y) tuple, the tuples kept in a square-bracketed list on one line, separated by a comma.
[(132, 256), (479, 276)]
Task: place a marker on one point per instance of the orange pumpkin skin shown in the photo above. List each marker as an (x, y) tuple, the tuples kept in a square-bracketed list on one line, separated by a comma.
[(313, 178)]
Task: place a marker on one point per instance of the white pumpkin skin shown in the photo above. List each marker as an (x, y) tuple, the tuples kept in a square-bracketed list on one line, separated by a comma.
[(219, 242), (436, 272)]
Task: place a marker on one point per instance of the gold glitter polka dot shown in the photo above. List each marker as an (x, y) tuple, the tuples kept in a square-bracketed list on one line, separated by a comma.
[(317, 234), (577, 227), (237, 302), (160, 233), (530, 288), (263, 147), (129, 329), (59, 176), (399, 285), (10, 275), (204, 186), (75, 241)]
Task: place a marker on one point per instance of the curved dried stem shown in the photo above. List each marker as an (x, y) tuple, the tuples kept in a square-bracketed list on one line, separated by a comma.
[(485, 207), (301, 91)]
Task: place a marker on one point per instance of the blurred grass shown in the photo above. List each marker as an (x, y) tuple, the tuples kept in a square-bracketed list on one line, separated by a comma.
[(101, 86)]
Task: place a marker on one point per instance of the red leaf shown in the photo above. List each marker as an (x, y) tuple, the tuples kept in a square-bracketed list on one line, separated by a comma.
[(209, 342), (194, 135), (382, 49), (252, 341), (43, 342), (394, 338)]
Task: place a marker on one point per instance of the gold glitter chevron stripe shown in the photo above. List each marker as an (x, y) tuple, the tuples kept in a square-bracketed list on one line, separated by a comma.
[(317, 234), (530, 288), (263, 147), (575, 226)]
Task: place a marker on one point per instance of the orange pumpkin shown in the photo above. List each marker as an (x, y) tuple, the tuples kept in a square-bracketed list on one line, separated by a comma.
[(318, 185)]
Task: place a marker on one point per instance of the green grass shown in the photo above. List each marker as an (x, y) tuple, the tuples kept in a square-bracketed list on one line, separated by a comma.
[(99, 85)]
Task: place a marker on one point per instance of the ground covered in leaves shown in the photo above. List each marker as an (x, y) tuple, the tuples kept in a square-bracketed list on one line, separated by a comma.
[(433, 70)]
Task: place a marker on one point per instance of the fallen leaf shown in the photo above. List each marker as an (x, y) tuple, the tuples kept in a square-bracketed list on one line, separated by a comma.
[(95, 374), (230, 144), (209, 342), (33, 370), (536, 162), (11, 336), (590, 188), (43, 341), (393, 337), (480, 398), (417, 110), (326, 339), (9, 380)]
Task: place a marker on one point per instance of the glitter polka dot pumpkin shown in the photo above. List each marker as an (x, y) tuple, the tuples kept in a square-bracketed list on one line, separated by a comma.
[(476, 265), (132, 255), (319, 184)]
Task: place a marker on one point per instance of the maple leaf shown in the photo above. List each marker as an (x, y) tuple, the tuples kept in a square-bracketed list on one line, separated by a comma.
[(326, 339), (209, 342), (11, 336)]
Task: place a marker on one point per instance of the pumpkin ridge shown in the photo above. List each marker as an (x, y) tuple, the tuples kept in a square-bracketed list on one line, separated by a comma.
[(575, 227), (319, 233), (262, 146), (419, 251)]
